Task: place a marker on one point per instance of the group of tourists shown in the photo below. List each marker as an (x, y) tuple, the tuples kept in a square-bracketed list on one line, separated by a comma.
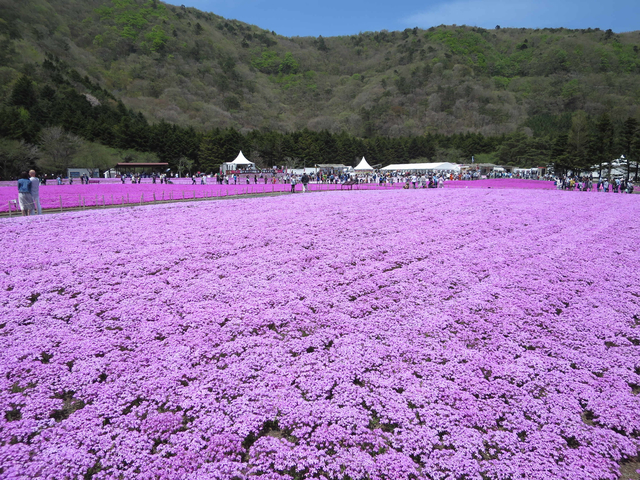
[(425, 181), (381, 178), (29, 193), (137, 178), (304, 180), (586, 184)]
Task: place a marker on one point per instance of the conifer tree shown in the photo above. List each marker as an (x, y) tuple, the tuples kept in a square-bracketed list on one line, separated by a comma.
[(23, 93)]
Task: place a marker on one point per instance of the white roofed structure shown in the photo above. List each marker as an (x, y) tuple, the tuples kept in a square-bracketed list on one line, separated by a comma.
[(241, 160), (240, 163), (440, 167), (363, 166)]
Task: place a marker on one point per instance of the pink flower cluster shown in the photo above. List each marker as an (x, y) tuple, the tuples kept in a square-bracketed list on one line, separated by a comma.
[(425, 334)]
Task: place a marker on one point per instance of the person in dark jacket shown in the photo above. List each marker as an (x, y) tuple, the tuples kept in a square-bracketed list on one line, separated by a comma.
[(24, 194)]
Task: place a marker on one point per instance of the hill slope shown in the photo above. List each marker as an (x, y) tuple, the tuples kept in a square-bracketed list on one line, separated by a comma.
[(193, 68)]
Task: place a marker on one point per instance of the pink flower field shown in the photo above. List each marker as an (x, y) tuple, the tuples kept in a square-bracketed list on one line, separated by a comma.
[(55, 197), (423, 334)]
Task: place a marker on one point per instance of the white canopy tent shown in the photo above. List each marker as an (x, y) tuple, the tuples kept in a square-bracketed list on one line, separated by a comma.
[(439, 167), (240, 163), (363, 166), (302, 171), (449, 167)]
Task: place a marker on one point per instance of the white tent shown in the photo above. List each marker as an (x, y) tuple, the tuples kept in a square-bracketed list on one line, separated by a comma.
[(440, 167), (241, 160), (239, 163), (446, 166), (363, 166), (302, 171)]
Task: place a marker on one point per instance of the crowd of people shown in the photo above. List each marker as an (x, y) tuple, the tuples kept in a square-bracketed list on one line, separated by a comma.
[(137, 178), (586, 184)]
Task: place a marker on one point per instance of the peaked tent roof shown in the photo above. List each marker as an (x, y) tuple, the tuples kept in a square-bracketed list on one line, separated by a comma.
[(363, 165), (241, 160)]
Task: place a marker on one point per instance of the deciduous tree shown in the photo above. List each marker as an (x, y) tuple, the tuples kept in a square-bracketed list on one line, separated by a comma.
[(57, 149)]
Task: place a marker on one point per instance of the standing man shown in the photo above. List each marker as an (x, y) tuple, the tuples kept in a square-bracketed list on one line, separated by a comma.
[(35, 192), (305, 182)]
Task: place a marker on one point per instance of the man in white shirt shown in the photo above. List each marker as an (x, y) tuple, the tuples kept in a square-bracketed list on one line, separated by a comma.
[(35, 192)]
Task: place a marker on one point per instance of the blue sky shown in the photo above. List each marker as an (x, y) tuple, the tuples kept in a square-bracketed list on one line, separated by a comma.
[(347, 17)]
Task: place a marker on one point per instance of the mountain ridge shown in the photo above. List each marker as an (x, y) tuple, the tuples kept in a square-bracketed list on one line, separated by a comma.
[(194, 68)]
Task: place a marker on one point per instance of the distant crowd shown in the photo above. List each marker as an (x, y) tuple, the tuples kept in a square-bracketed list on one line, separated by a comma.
[(586, 184), (29, 183)]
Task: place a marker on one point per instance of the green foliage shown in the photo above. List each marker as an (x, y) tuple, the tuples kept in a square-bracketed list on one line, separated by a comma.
[(95, 155), (16, 156), (131, 17), (520, 150), (232, 103), (288, 82), (626, 57), (601, 141), (158, 38), (289, 65), (571, 89), (486, 158), (501, 83), (460, 41), (548, 125), (322, 46), (23, 94), (268, 62)]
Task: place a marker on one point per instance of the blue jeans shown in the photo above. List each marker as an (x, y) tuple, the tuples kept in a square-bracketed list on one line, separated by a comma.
[(36, 205)]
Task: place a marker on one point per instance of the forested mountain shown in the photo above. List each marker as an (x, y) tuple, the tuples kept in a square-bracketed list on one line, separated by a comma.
[(131, 73)]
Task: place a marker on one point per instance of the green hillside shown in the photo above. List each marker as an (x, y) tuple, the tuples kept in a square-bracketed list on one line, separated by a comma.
[(195, 68), (151, 62)]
